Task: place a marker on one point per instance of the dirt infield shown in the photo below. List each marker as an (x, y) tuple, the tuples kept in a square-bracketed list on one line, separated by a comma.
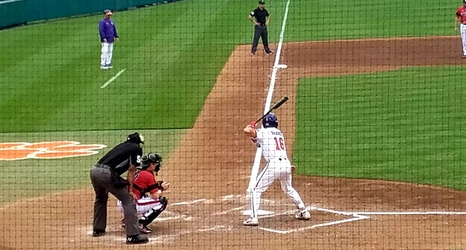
[(209, 173)]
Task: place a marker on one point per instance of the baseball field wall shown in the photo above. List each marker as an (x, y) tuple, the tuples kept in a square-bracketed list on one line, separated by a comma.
[(19, 12)]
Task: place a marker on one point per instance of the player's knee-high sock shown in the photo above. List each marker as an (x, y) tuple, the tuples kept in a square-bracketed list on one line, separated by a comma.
[(152, 214)]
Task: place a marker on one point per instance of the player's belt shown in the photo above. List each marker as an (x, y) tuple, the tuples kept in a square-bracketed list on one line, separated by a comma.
[(262, 24)]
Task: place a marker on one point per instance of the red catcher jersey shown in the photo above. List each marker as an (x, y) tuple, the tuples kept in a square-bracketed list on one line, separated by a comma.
[(461, 12), (146, 181)]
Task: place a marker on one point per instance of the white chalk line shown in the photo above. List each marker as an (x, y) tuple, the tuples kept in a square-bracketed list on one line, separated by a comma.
[(355, 213), (363, 215), (228, 211), (356, 216), (257, 157), (112, 79), (188, 202), (410, 213)]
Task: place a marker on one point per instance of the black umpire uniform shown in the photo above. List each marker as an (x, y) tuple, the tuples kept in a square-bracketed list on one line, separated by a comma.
[(260, 17), (105, 177)]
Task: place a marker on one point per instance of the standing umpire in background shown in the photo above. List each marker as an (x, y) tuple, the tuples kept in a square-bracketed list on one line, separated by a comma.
[(108, 35), (261, 18), (105, 177)]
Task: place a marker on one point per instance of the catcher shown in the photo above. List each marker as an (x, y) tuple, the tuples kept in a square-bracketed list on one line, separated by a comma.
[(149, 192)]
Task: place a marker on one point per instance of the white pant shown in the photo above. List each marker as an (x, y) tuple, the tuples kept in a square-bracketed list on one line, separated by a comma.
[(463, 37), (106, 54), (275, 169), (143, 205)]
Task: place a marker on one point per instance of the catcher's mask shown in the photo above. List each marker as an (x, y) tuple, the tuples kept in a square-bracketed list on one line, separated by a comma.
[(270, 120), (136, 138), (146, 160)]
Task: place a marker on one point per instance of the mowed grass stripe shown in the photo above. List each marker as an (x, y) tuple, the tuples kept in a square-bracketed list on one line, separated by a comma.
[(324, 20), (175, 50), (392, 125), (67, 82)]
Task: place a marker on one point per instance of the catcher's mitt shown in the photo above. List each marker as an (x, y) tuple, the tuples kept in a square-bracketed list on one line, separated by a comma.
[(161, 185)]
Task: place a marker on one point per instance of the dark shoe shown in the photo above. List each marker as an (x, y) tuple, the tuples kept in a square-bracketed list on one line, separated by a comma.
[(464, 57), (98, 233), (253, 53), (137, 239), (268, 52), (251, 222), (145, 230)]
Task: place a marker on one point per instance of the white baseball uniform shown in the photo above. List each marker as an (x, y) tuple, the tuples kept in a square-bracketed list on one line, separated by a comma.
[(278, 167), (144, 205), (106, 54)]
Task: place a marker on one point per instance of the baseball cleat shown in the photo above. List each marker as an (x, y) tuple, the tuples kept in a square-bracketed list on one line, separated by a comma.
[(98, 233), (104, 67), (251, 222), (303, 215), (137, 239)]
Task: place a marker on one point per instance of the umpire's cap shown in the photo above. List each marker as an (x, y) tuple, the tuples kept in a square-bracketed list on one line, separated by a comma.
[(135, 137), (263, 2)]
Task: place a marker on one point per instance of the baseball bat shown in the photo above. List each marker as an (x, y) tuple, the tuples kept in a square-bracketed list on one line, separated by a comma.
[(275, 106)]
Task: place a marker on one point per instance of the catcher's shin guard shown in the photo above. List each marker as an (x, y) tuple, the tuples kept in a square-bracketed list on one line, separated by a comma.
[(150, 216)]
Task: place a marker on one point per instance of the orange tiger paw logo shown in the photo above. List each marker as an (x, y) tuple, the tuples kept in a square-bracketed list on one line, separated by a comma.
[(11, 151)]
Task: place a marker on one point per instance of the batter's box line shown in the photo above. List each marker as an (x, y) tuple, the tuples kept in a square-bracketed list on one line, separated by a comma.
[(389, 213), (356, 217)]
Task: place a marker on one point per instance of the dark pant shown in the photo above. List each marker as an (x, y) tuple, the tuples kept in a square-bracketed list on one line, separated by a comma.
[(260, 31), (101, 177)]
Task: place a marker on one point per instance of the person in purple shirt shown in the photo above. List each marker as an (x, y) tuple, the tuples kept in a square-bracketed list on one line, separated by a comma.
[(108, 35)]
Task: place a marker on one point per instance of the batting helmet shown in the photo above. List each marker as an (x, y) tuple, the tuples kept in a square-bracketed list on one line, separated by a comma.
[(270, 120), (146, 160), (135, 137)]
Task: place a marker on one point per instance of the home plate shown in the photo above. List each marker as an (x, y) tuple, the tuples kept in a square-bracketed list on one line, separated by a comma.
[(282, 66), (260, 212)]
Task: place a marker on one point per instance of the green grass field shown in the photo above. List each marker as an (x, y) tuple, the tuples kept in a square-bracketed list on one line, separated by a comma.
[(50, 84), (392, 125)]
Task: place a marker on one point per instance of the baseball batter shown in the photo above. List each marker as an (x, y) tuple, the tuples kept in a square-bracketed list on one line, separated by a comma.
[(278, 166), (461, 21), (151, 202)]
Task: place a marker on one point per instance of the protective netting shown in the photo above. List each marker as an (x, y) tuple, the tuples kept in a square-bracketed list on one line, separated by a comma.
[(373, 122)]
